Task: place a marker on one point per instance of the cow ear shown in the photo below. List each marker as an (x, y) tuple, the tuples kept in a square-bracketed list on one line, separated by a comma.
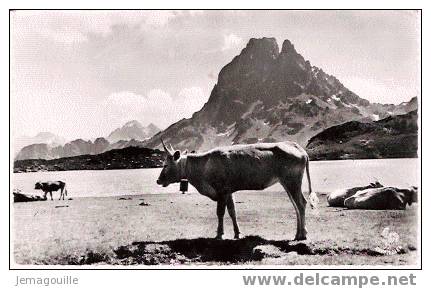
[(177, 155)]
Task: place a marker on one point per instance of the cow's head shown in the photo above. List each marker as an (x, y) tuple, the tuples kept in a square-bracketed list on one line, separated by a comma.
[(412, 195), (171, 170), (38, 186)]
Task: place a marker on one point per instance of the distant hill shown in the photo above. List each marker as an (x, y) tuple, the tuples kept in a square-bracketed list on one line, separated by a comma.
[(126, 158), (47, 138), (133, 130), (392, 137), (268, 94), (131, 134)]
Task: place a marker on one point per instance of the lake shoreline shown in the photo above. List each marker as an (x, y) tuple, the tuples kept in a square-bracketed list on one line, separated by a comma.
[(326, 176), (37, 165)]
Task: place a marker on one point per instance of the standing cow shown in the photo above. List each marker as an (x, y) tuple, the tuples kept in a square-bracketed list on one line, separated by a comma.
[(220, 172), (49, 187)]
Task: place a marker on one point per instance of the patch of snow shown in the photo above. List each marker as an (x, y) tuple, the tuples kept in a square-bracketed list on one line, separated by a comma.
[(308, 101), (299, 84), (334, 97), (232, 125), (375, 117), (230, 129)]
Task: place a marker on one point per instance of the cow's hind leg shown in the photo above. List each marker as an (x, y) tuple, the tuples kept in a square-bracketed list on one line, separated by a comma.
[(230, 203), (221, 209), (299, 202), (61, 194), (50, 193)]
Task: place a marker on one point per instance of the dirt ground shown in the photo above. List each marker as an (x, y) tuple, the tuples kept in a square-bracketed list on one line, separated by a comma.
[(174, 229)]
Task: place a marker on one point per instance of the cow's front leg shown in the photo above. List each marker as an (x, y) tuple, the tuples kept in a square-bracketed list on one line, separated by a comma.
[(221, 208), (50, 193), (231, 210)]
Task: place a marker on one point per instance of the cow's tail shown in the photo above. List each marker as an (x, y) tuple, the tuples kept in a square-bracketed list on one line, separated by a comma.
[(312, 196)]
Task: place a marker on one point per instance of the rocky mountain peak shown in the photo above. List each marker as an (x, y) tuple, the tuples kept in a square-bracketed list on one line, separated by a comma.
[(266, 95), (262, 46), (132, 130), (133, 123), (288, 47), (152, 126)]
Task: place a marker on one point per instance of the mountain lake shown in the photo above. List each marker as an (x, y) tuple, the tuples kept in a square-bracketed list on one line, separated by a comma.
[(326, 176)]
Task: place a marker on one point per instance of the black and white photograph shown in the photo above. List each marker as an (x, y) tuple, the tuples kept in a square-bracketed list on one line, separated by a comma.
[(215, 138)]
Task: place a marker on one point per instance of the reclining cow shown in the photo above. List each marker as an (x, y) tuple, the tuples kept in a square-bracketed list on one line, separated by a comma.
[(336, 198), (49, 187), (386, 198), (220, 172)]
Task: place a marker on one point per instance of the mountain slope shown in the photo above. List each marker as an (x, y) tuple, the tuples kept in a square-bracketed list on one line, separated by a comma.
[(392, 137), (265, 94)]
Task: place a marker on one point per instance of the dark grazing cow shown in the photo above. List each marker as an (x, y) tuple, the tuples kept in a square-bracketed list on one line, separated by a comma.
[(222, 171), (49, 187)]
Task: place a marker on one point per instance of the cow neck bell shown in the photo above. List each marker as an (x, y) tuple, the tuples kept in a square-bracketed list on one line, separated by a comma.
[(184, 185)]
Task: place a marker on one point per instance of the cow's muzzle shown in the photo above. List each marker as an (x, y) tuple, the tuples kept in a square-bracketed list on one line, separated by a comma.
[(163, 184)]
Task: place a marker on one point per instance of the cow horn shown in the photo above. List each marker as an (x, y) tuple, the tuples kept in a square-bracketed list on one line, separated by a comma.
[(166, 149)]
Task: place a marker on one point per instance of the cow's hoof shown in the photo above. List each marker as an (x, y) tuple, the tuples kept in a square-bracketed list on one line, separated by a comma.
[(238, 236), (300, 238), (219, 237)]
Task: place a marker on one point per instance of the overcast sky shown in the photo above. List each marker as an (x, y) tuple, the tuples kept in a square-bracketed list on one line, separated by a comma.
[(82, 74)]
